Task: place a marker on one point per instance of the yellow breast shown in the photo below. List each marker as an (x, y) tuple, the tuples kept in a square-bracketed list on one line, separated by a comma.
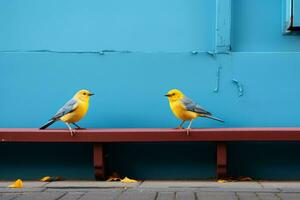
[(180, 112), (77, 114)]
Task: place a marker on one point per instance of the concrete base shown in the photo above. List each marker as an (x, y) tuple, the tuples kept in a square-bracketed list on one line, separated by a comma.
[(152, 190)]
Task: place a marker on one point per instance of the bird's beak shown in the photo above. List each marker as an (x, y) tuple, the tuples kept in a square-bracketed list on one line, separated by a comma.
[(91, 94), (167, 95)]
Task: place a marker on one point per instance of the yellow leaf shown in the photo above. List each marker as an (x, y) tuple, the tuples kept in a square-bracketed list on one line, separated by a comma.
[(50, 179), (17, 184), (128, 180), (221, 181), (46, 179)]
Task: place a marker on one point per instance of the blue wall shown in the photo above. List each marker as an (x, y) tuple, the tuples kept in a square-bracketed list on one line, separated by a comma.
[(257, 27), (96, 25), (51, 49)]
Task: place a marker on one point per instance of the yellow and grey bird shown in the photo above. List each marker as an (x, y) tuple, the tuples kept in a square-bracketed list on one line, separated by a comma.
[(73, 111), (186, 109)]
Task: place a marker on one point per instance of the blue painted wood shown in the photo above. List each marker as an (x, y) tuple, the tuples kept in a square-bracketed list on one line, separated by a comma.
[(129, 88), (93, 25), (223, 26), (257, 27), (290, 16), (286, 15), (296, 13)]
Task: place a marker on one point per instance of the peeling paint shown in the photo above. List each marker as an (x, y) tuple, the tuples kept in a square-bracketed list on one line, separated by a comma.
[(102, 52), (218, 79), (214, 53), (52, 51), (239, 87), (211, 53), (223, 26), (105, 51)]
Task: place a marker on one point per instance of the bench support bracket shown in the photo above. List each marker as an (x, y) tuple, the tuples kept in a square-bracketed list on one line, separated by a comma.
[(99, 161), (221, 160)]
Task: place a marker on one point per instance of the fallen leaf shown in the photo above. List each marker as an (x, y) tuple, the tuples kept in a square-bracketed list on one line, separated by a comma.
[(221, 181), (128, 180), (46, 179), (17, 184), (50, 179), (233, 179)]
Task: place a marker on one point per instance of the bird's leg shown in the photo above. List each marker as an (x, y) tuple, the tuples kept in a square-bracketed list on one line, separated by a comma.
[(189, 128), (70, 128), (180, 126), (190, 124), (77, 127)]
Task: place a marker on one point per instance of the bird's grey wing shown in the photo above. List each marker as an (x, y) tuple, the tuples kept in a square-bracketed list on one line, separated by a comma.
[(192, 106), (69, 107)]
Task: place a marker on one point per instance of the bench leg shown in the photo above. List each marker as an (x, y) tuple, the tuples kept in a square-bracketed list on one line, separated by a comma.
[(221, 160), (99, 162)]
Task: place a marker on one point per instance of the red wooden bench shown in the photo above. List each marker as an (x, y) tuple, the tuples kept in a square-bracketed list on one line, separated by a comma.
[(99, 136)]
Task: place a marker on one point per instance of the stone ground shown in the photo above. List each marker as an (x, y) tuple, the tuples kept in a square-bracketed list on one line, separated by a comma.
[(152, 190)]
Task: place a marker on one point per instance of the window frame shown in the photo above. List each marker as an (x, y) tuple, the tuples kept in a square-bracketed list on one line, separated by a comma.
[(288, 17)]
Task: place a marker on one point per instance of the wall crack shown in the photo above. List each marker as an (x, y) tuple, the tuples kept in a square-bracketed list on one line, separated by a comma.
[(218, 74), (239, 87)]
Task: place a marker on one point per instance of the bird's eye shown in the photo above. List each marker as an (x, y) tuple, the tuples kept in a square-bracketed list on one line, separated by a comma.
[(173, 94), (84, 93)]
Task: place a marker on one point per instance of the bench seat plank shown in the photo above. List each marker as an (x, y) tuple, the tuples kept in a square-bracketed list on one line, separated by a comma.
[(149, 135)]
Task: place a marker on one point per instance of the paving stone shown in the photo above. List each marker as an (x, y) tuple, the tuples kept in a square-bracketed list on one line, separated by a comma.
[(185, 196), (101, 195), (199, 184), (240, 189), (59, 189), (250, 185), (8, 196), (216, 195), (289, 196), (142, 195), (72, 196), (163, 189), (268, 196), (281, 184), (247, 196), (18, 190), (293, 190), (177, 184), (166, 196), (91, 184), (40, 196)]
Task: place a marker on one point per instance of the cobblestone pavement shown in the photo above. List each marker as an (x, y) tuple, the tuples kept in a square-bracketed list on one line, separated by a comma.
[(152, 190)]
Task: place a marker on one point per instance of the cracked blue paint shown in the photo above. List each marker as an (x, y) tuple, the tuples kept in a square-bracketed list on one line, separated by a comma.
[(239, 87), (102, 52), (218, 74), (223, 26)]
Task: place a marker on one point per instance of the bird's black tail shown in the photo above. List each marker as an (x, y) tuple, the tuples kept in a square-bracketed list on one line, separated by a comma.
[(214, 118), (48, 124)]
